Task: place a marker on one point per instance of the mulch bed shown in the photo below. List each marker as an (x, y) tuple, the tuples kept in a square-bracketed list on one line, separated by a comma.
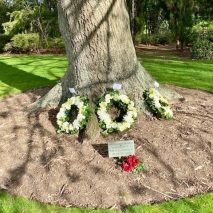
[(55, 168)]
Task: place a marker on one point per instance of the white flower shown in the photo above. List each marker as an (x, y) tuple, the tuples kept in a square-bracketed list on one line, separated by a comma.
[(126, 125), (66, 106), (131, 105), (62, 116), (76, 124), (109, 125), (116, 97), (157, 104), (151, 95), (59, 122), (79, 103), (135, 114), (158, 100), (65, 125), (168, 111), (121, 127), (81, 110), (80, 117), (71, 127), (128, 119), (103, 115), (107, 120), (124, 99), (130, 113), (114, 125), (108, 97), (72, 100), (103, 105)]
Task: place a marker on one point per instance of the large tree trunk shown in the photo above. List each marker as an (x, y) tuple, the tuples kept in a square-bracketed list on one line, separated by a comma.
[(100, 52), (100, 49)]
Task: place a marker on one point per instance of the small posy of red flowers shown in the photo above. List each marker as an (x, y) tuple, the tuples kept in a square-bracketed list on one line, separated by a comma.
[(129, 164)]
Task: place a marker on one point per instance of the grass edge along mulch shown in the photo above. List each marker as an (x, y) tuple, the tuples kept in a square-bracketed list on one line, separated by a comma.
[(199, 203)]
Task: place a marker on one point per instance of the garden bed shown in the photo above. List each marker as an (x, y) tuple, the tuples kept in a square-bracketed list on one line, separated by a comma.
[(55, 168)]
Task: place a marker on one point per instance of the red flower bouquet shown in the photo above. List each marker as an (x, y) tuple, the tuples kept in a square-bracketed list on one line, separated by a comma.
[(132, 164)]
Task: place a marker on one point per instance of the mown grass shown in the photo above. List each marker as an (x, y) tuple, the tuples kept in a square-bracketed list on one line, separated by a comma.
[(13, 204), (21, 73), (197, 74), (197, 204)]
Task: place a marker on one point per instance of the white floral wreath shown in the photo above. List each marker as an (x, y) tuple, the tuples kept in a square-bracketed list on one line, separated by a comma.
[(122, 102), (84, 112), (158, 104)]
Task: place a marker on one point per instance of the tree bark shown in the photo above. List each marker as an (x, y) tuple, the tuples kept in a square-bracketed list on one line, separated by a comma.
[(100, 52)]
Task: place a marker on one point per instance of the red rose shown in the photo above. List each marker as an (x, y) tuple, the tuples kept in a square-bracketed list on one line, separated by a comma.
[(126, 167), (132, 160)]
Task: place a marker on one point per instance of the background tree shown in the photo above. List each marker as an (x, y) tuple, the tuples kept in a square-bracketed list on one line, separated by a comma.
[(204, 10), (137, 16), (181, 15), (33, 17), (148, 21), (5, 7)]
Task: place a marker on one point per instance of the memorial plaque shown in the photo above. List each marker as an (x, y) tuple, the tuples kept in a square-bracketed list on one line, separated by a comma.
[(121, 148)]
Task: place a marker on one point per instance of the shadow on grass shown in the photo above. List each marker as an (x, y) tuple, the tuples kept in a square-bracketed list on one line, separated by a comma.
[(21, 80)]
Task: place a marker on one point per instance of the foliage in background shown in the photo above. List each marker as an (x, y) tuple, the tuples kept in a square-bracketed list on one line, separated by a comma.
[(156, 39), (22, 43), (202, 47), (56, 43), (137, 16), (4, 39), (204, 10), (152, 21), (33, 17), (181, 19), (20, 21), (4, 9)]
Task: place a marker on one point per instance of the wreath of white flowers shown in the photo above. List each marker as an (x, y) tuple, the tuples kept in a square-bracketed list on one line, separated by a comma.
[(82, 104), (122, 102), (158, 104)]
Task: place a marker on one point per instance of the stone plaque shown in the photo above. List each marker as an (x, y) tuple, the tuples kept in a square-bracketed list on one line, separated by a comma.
[(121, 148)]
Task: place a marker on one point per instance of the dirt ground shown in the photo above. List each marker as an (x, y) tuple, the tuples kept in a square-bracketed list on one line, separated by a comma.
[(55, 168)]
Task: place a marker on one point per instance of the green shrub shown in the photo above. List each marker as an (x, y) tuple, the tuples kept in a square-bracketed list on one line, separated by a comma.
[(4, 39), (23, 43), (56, 43), (156, 39), (202, 49)]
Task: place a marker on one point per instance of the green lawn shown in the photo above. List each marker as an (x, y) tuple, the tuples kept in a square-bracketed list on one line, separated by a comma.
[(21, 73), (197, 204), (175, 71)]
